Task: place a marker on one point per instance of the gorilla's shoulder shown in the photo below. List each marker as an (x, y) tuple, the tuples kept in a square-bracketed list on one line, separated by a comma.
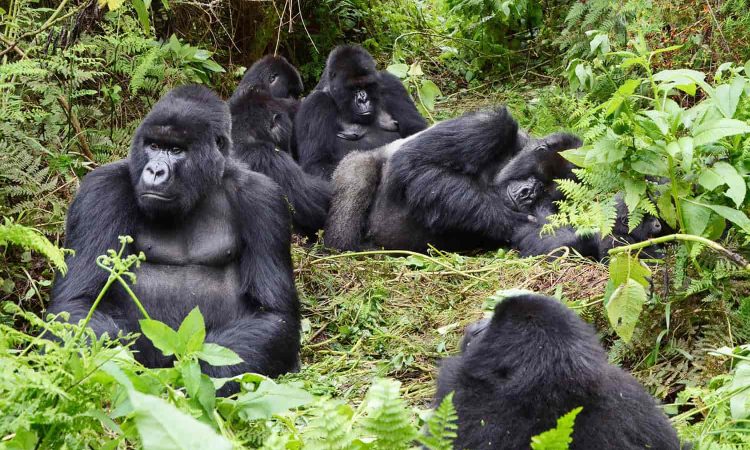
[(113, 178), (316, 98), (240, 178)]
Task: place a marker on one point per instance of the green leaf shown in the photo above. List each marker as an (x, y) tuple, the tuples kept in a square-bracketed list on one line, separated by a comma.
[(23, 440), (192, 331), (739, 404), (216, 355), (727, 96), (686, 150), (710, 179), (623, 267), (730, 177), (624, 308), (713, 130), (737, 217), (271, 398), (141, 9), (695, 217), (682, 79), (560, 437), (164, 427), (660, 119), (399, 70), (634, 191), (428, 92), (667, 210), (415, 70), (163, 337), (600, 41), (191, 376)]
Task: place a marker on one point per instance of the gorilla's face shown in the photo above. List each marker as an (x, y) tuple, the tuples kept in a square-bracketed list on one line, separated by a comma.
[(283, 80), (354, 85), (256, 114), (474, 333), (523, 194)]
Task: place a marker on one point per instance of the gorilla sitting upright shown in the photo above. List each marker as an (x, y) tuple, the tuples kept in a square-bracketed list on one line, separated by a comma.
[(535, 361), (354, 107), (215, 234), (261, 128)]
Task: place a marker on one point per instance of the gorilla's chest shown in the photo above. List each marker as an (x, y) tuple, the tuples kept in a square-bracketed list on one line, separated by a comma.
[(374, 137), (193, 262)]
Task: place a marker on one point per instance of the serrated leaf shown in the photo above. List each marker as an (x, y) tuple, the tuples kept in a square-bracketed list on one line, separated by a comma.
[(163, 337), (560, 437), (712, 130), (399, 70), (622, 267), (624, 308), (192, 331), (164, 427), (271, 398), (216, 355), (732, 178), (428, 92)]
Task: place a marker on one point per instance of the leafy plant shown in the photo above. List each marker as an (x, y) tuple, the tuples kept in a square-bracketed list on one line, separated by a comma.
[(560, 437), (415, 80)]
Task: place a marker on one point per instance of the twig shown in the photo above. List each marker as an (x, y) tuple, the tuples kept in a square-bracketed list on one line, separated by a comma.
[(80, 135), (731, 256), (53, 19), (397, 252)]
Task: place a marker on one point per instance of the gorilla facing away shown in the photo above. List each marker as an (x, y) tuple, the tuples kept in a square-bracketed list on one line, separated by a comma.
[(535, 361), (354, 107), (261, 125), (215, 235), (276, 75)]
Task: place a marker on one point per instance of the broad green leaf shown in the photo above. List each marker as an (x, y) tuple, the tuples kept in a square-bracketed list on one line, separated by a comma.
[(660, 119), (23, 440), (727, 96), (624, 308), (398, 70), (164, 427), (634, 191), (695, 217), (576, 155), (622, 93), (216, 355), (623, 267), (737, 186), (271, 398), (163, 337), (667, 210), (191, 376), (650, 162), (711, 131), (737, 217), (739, 404), (213, 66), (192, 331), (682, 79), (560, 437), (605, 150), (111, 4), (428, 92), (415, 70), (141, 10), (600, 41), (686, 151), (710, 179)]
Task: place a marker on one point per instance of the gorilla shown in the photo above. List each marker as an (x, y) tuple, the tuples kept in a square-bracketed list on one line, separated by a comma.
[(535, 361), (276, 75), (215, 234), (436, 187), (261, 125), (354, 107)]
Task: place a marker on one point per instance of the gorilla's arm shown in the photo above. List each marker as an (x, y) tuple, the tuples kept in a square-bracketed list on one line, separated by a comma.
[(270, 342), (103, 209), (315, 128), (398, 103), (310, 196)]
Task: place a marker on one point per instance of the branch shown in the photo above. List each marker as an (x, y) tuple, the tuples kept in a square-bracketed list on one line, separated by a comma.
[(731, 256), (80, 135)]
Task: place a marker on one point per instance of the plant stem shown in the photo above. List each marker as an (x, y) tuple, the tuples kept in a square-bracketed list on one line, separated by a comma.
[(133, 297), (99, 298), (731, 256)]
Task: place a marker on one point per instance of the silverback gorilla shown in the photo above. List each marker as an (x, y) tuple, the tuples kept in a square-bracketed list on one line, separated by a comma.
[(215, 235), (260, 124), (535, 361), (354, 107)]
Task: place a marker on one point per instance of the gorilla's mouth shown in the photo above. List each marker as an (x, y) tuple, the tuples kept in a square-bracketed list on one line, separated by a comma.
[(367, 113), (157, 196)]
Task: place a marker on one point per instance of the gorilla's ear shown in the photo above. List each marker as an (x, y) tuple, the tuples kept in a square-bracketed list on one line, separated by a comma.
[(222, 142)]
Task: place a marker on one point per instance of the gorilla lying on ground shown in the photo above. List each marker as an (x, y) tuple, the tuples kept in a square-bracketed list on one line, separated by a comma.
[(535, 361), (215, 235), (260, 125), (276, 75), (354, 107)]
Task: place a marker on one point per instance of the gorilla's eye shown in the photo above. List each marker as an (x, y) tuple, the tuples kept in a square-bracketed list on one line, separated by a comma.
[(274, 76), (276, 120), (175, 151)]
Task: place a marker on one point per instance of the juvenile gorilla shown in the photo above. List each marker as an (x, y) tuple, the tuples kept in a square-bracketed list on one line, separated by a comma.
[(276, 75), (437, 187), (260, 125), (354, 107), (215, 235), (535, 361)]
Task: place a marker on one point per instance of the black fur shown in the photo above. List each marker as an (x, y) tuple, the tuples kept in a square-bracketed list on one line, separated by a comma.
[(258, 123), (215, 235), (276, 75), (327, 117), (535, 361)]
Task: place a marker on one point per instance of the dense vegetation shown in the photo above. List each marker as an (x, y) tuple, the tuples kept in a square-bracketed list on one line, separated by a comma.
[(659, 90)]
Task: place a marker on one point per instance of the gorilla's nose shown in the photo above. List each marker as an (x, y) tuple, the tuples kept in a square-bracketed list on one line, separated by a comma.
[(155, 173), (656, 226)]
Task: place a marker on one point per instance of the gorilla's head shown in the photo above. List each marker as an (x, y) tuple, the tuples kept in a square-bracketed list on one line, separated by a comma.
[(179, 150), (528, 328), (352, 81), (275, 74), (258, 115)]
